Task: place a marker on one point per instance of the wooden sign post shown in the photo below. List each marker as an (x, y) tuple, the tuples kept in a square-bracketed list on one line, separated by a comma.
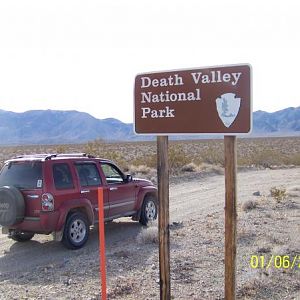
[(163, 216), (230, 215), (213, 100)]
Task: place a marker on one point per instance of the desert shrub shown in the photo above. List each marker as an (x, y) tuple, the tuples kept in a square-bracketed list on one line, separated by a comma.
[(248, 205), (211, 169), (177, 158), (141, 169), (61, 149), (294, 159), (146, 160), (94, 147), (191, 167), (213, 156), (278, 194), (269, 152), (267, 158)]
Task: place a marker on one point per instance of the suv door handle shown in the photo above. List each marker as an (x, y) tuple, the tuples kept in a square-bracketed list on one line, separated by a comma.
[(84, 191), (113, 188)]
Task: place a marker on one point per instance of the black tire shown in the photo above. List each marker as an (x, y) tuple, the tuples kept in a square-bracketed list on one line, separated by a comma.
[(148, 210), (12, 206), (22, 236), (76, 231)]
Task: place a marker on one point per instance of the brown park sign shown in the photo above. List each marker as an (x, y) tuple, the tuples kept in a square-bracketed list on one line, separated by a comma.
[(206, 100)]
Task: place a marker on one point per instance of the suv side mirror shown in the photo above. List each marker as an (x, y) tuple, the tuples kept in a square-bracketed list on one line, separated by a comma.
[(128, 178)]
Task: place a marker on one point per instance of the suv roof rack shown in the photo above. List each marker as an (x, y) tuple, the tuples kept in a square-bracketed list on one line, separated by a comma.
[(40, 155), (74, 155), (48, 156)]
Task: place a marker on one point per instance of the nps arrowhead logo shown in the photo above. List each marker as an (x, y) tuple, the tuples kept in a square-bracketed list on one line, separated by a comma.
[(228, 108)]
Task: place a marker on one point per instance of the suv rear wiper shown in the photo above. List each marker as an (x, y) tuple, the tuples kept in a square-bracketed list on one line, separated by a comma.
[(19, 187)]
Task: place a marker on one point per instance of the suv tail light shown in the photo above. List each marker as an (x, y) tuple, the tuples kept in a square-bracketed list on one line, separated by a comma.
[(47, 202)]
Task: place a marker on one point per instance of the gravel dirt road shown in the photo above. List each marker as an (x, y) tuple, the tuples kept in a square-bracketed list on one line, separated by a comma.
[(44, 269)]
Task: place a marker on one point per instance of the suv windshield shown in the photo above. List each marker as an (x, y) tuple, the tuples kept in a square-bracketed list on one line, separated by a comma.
[(23, 175)]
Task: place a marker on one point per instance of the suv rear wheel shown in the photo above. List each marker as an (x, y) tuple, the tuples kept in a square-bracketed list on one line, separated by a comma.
[(21, 236), (12, 206), (76, 231), (149, 210)]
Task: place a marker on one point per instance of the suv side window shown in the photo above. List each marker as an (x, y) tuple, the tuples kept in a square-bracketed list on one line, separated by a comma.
[(112, 174), (62, 176), (88, 174)]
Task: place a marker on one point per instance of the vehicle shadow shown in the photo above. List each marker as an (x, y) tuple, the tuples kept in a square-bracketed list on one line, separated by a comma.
[(20, 262)]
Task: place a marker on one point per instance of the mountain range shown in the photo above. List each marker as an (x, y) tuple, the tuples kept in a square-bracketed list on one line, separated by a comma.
[(62, 127)]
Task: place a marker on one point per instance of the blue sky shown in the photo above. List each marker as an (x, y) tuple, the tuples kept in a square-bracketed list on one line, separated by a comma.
[(84, 55)]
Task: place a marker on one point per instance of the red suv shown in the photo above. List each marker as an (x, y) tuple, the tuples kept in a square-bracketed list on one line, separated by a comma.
[(57, 193)]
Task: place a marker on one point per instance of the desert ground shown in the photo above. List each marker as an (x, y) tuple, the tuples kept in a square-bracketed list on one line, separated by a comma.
[(268, 227)]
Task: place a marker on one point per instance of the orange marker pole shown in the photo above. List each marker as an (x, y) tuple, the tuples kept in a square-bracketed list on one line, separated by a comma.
[(102, 243)]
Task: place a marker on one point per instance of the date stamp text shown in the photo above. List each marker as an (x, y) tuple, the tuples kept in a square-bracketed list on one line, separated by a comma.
[(276, 261)]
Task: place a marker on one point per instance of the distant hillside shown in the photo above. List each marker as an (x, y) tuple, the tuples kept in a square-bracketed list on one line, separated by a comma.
[(54, 127), (283, 122)]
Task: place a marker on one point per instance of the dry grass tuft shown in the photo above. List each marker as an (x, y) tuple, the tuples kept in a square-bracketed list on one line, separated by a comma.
[(148, 235)]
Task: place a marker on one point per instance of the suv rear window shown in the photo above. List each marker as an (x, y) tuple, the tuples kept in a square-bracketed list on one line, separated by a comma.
[(23, 175)]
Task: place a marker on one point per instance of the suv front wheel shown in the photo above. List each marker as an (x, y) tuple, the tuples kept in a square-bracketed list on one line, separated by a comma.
[(76, 231), (149, 210)]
